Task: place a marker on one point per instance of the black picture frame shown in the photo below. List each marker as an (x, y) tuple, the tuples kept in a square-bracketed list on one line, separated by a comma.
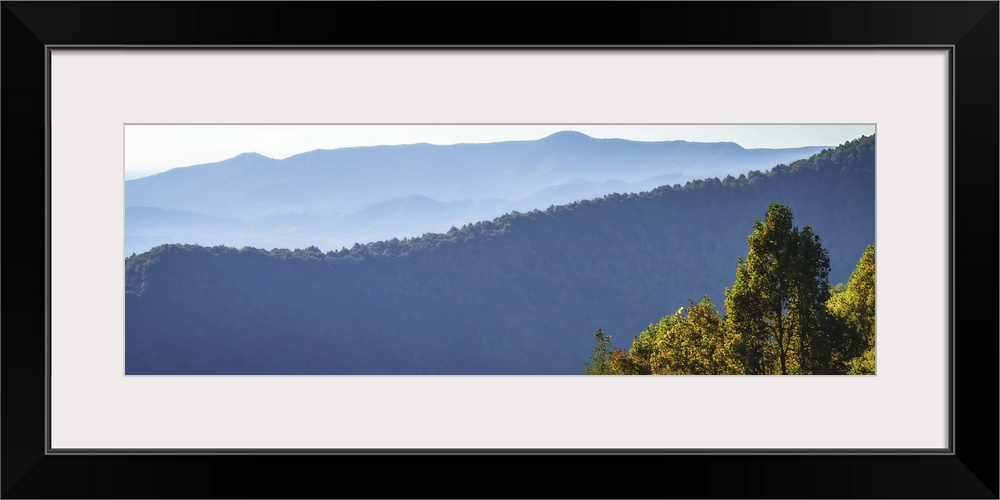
[(970, 28)]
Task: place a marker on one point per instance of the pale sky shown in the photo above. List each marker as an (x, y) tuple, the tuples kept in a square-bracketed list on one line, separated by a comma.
[(150, 149)]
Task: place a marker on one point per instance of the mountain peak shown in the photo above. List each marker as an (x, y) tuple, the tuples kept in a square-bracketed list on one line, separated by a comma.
[(250, 155), (567, 135)]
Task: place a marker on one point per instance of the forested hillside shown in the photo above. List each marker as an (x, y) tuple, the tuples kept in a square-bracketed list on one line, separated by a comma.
[(521, 294)]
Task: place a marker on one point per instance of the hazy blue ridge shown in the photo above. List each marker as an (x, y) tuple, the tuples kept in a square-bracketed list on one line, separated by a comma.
[(330, 198)]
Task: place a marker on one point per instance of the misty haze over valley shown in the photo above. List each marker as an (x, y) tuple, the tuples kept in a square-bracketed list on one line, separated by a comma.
[(334, 199)]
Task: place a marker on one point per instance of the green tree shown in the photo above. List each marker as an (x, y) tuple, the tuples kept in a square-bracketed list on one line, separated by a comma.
[(854, 306), (777, 303), (694, 341), (600, 358)]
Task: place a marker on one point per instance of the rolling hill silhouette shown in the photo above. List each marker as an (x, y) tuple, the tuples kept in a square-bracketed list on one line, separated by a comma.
[(299, 201)]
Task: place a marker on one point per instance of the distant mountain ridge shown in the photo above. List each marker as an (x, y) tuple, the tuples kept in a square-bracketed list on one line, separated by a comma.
[(495, 177), (519, 294)]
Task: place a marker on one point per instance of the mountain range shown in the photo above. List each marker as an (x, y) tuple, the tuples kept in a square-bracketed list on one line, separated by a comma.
[(335, 198)]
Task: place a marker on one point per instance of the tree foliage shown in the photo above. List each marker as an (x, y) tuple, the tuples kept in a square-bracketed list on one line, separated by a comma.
[(854, 305), (777, 302), (694, 340), (782, 316), (600, 359)]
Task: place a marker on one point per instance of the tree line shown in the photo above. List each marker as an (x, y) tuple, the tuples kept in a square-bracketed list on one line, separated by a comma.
[(781, 317)]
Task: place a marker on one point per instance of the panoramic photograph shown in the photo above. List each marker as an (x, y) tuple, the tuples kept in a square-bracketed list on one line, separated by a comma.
[(562, 249)]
